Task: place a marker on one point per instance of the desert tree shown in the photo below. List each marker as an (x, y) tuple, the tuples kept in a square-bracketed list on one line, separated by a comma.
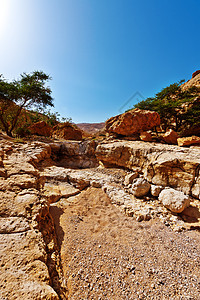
[(28, 92)]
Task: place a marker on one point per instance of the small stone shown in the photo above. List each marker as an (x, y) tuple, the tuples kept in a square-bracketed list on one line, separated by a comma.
[(140, 187)]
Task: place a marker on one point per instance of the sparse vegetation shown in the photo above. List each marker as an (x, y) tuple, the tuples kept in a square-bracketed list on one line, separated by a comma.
[(20, 95), (177, 108)]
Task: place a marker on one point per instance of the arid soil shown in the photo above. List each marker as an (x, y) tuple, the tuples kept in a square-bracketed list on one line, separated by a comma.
[(107, 255)]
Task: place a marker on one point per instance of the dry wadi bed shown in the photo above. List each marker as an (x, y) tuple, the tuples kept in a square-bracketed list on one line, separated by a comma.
[(107, 255)]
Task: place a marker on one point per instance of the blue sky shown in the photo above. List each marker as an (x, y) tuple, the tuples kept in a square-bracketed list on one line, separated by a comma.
[(100, 53)]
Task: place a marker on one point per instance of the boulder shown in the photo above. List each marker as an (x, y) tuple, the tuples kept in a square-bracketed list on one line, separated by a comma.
[(67, 131), (40, 128), (170, 137), (174, 200), (188, 141), (140, 187), (146, 136), (132, 122)]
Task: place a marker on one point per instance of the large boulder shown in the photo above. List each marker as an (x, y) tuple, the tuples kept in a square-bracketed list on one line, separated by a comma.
[(67, 131), (188, 141), (40, 128), (174, 200), (133, 122)]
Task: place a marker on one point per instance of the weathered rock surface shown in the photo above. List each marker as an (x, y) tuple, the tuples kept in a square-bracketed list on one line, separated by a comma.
[(39, 190), (164, 165), (170, 137), (188, 141), (40, 128), (23, 251), (74, 154), (132, 122), (67, 131), (174, 200)]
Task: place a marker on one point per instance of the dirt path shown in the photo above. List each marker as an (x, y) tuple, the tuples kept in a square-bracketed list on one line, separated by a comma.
[(107, 255)]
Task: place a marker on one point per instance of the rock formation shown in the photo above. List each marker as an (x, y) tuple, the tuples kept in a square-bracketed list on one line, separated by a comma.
[(67, 131), (132, 122), (50, 191), (40, 128)]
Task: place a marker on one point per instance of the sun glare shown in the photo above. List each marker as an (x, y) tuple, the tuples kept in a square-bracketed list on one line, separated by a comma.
[(4, 13)]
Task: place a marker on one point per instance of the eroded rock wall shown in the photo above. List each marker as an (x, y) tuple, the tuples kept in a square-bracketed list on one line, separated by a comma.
[(29, 257), (164, 165)]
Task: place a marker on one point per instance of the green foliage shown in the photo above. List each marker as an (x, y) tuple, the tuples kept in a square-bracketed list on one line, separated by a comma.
[(176, 107), (17, 96)]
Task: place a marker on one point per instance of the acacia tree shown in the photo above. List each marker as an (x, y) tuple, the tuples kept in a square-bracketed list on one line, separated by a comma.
[(176, 107), (28, 92)]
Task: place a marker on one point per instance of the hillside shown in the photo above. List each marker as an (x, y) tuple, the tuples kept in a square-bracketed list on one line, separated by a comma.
[(91, 128)]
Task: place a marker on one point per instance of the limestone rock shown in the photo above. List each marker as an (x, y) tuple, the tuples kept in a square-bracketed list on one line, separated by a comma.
[(170, 137), (155, 190), (140, 187), (146, 136), (40, 128), (67, 131), (132, 122), (188, 141), (174, 200), (54, 191), (130, 177), (164, 165)]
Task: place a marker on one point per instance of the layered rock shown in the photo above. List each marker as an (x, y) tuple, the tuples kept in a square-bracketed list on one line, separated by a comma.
[(25, 269), (164, 165), (132, 122)]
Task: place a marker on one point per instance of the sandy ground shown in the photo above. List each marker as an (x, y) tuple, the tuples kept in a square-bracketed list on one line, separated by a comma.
[(107, 255)]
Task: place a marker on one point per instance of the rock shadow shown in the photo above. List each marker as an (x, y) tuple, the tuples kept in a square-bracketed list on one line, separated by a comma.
[(56, 213), (191, 215)]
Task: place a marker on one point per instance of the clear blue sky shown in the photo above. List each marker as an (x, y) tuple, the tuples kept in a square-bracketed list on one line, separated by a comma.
[(100, 52)]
